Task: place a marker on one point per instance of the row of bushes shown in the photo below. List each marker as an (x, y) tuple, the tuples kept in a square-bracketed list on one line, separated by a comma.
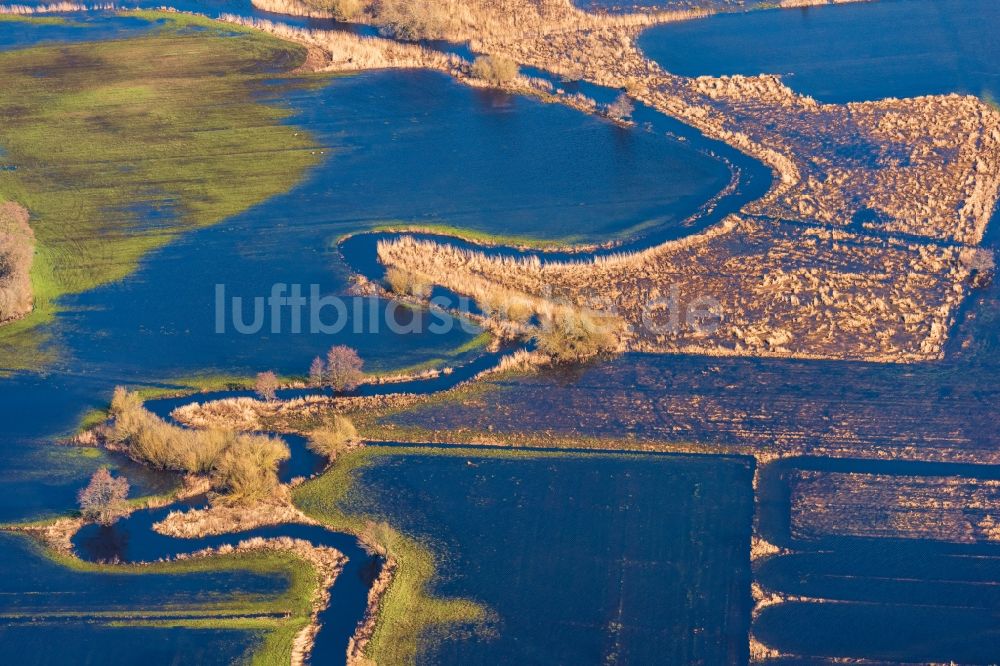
[(243, 468)]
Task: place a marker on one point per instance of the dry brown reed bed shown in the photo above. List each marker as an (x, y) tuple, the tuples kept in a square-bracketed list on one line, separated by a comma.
[(294, 8), (54, 8), (775, 289), (221, 519), (349, 52), (928, 166), (17, 252)]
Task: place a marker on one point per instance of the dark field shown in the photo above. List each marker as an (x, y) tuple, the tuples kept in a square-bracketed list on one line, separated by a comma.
[(651, 573)]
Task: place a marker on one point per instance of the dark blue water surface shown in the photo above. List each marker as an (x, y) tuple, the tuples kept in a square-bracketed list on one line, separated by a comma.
[(85, 643), (133, 540), (76, 27), (583, 559), (841, 53), (33, 599)]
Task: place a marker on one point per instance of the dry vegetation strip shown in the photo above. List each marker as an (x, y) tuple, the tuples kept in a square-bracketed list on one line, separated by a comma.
[(17, 253), (956, 509), (242, 467), (744, 287)]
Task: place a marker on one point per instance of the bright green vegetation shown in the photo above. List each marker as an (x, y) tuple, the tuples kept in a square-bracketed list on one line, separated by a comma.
[(284, 615), (36, 20), (408, 615), (101, 132)]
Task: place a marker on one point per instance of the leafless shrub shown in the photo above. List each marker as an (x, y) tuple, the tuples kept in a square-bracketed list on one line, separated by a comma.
[(621, 109), (317, 371), (336, 435), (343, 368), (104, 499), (495, 70), (977, 259), (266, 385)]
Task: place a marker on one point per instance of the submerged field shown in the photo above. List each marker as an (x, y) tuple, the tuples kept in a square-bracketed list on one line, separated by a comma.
[(179, 154), (574, 557), (843, 54)]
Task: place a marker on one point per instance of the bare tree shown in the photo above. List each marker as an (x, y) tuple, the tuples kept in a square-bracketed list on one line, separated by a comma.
[(266, 385), (317, 371), (104, 498), (621, 109), (343, 368)]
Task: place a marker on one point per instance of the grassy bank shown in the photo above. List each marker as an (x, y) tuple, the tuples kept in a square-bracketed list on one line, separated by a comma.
[(276, 618), (408, 614), (100, 138)]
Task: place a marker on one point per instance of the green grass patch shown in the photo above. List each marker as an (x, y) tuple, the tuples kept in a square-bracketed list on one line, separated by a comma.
[(99, 133), (408, 615), (290, 609), (36, 20)]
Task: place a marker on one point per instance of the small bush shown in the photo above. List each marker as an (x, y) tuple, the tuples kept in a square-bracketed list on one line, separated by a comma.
[(266, 385), (247, 470), (406, 283), (336, 435), (412, 19), (242, 467), (621, 109), (575, 335), (343, 368), (104, 499), (505, 306), (343, 10), (495, 70)]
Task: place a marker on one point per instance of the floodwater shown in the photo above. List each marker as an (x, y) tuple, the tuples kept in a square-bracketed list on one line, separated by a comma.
[(398, 147), (842, 53), (580, 559)]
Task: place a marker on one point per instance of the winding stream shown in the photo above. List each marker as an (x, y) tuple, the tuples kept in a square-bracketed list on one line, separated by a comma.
[(404, 146)]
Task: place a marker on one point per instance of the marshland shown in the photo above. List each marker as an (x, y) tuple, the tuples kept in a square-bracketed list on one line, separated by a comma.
[(553, 479)]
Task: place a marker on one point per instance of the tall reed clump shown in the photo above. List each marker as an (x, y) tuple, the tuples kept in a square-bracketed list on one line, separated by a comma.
[(574, 335), (407, 283), (342, 10), (243, 468), (336, 435), (420, 19), (17, 253), (495, 70)]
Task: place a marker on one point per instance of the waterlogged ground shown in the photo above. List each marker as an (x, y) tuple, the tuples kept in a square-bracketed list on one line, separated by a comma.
[(583, 558), (843, 53), (580, 558), (389, 148), (51, 614)]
